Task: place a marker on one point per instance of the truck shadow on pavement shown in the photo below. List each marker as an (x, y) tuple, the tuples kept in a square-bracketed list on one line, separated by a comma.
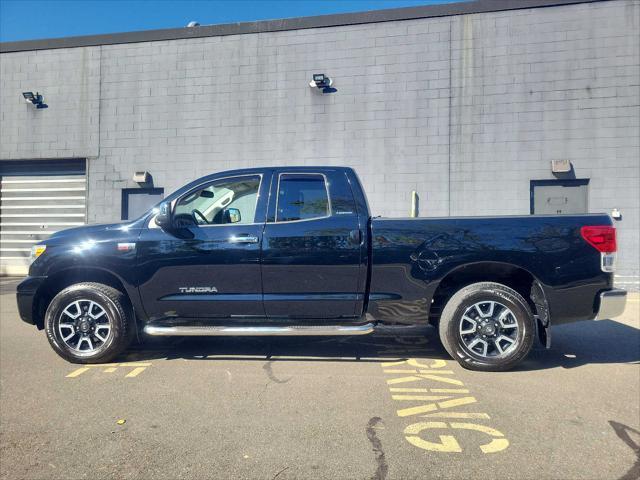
[(370, 348), (589, 342), (573, 345)]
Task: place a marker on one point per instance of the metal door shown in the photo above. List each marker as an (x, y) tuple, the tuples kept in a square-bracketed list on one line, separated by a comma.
[(37, 198), (557, 197)]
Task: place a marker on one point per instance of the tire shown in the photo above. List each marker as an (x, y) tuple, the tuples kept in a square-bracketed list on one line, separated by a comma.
[(98, 313), (466, 326)]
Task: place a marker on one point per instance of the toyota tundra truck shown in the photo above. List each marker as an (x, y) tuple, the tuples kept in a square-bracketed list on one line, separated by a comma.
[(296, 251)]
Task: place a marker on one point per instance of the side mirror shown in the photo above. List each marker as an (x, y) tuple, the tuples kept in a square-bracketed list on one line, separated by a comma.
[(232, 215), (163, 218)]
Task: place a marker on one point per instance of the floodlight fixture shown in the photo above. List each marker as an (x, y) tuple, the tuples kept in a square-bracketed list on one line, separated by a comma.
[(37, 100)]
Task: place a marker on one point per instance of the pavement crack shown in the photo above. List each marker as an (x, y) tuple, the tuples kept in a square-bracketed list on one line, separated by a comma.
[(622, 431), (267, 367), (381, 461), (276, 475)]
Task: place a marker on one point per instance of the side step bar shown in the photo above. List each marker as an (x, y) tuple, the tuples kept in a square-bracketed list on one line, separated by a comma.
[(219, 331)]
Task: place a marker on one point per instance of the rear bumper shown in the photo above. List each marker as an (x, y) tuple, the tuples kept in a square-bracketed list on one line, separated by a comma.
[(612, 303), (25, 295)]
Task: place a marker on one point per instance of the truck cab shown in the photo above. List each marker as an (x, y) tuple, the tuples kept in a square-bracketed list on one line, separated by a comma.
[(276, 244)]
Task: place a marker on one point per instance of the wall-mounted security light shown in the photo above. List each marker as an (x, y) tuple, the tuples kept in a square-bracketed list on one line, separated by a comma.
[(616, 214), (322, 83), (37, 99)]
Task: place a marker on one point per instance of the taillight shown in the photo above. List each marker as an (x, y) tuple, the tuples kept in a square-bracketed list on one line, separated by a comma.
[(603, 239)]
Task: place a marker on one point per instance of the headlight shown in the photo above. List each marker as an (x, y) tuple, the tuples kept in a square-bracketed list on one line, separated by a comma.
[(36, 251)]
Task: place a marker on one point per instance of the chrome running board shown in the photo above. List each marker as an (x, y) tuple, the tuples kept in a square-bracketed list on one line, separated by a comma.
[(219, 331)]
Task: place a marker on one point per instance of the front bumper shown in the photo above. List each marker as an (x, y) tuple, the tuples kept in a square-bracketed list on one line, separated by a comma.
[(612, 303), (26, 295)]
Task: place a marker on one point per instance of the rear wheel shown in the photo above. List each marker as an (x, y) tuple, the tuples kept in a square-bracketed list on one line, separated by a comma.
[(89, 323), (487, 326)]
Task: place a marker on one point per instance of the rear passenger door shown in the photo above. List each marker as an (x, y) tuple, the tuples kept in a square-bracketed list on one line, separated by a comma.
[(312, 248)]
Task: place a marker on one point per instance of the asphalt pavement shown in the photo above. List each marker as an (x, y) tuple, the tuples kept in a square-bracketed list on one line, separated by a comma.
[(371, 407)]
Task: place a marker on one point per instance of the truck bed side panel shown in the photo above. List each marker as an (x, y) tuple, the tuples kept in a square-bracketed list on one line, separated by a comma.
[(411, 256)]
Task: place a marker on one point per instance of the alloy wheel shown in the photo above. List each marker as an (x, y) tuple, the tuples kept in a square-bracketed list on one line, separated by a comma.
[(489, 329), (84, 327)]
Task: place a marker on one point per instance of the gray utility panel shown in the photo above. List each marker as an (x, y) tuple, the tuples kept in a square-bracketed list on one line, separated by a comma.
[(556, 197)]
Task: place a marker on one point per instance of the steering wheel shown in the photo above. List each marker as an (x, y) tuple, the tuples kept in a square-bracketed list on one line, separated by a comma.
[(197, 212), (184, 220)]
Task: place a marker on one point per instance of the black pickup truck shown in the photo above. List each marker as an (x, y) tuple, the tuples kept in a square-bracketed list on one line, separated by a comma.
[(295, 251)]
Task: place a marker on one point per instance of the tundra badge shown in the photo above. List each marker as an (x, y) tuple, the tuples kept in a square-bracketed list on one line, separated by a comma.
[(198, 290)]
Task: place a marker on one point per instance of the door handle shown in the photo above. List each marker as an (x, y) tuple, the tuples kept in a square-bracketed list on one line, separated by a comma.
[(355, 236), (243, 239)]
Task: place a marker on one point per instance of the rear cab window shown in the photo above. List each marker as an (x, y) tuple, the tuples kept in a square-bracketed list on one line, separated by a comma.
[(302, 196)]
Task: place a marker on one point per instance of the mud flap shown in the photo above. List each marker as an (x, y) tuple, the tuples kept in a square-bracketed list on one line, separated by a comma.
[(544, 333), (542, 317)]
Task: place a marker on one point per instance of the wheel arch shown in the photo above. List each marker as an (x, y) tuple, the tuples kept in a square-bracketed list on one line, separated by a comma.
[(57, 282), (511, 275)]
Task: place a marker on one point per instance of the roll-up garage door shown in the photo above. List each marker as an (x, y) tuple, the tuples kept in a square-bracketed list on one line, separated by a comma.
[(37, 199)]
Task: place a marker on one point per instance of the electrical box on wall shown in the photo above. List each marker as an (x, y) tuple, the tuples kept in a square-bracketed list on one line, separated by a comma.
[(141, 177), (560, 166)]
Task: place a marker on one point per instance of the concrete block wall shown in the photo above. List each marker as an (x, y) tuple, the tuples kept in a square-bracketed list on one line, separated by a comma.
[(537, 85), (467, 109), (70, 82), (183, 108)]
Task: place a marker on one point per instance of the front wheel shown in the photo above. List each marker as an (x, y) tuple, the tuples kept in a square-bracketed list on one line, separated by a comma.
[(487, 326), (89, 323)]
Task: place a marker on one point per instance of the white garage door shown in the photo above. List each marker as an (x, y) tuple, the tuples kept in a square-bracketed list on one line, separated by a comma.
[(34, 204)]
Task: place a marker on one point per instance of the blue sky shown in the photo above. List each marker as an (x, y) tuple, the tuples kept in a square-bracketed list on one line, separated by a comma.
[(33, 19)]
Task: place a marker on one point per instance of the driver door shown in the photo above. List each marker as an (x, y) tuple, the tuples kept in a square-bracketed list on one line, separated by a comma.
[(208, 265)]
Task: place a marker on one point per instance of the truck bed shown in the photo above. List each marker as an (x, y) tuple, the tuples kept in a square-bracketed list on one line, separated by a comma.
[(412, 257)]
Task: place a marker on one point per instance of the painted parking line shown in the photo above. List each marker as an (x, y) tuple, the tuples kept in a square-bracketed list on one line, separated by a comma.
[(77, 372), (137, 367), (135, 372)]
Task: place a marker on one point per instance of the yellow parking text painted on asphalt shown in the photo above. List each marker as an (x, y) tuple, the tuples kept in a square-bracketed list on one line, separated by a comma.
[(427, 389), (132, 369)]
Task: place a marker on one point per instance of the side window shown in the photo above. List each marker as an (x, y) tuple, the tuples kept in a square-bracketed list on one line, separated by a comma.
[(302, 197), (229, 200)]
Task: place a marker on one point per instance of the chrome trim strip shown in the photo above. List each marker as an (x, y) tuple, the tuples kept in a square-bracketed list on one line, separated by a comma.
[(216, 331), (247, 239), (612, 304)]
